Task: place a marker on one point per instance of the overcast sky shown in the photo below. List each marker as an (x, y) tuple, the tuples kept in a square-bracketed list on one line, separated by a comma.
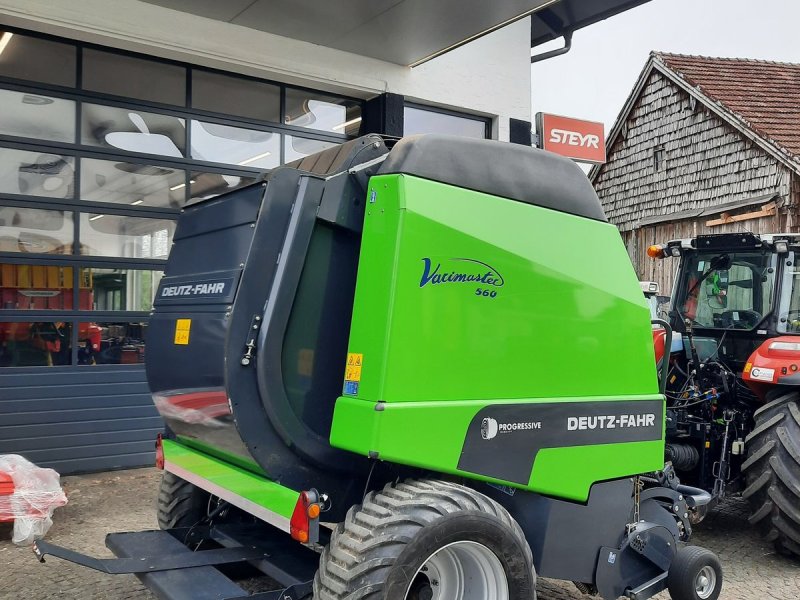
[(594, 79)]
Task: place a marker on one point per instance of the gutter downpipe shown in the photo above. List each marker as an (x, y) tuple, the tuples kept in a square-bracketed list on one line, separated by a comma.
[(557, 52)]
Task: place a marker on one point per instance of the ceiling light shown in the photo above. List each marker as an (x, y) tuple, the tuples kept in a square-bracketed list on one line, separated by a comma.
[(6, 37), (94, 218), (137, 202), (341, 126), (177, 187), (255, 158)]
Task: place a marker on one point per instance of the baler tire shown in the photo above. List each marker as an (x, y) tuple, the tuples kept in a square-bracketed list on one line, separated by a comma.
[(180, 503), (772, 471), (689, 565), (379, 552)]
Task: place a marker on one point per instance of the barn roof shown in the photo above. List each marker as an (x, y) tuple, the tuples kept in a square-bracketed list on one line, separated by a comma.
[(759, 98)]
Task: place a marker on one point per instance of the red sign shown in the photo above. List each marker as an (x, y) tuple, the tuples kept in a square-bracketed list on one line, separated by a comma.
[(583, 141)]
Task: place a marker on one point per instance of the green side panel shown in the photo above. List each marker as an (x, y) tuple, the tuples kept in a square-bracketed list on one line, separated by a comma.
[(215, 452), (438, 431), (466, 301), (238, 481)]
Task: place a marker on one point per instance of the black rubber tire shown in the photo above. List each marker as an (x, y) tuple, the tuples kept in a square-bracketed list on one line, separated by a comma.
[(383, 542), (772, 471), (180, 504), (685, 568)]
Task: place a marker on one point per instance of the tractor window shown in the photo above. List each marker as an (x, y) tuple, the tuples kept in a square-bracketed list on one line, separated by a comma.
[(727, 290), (790, 302)]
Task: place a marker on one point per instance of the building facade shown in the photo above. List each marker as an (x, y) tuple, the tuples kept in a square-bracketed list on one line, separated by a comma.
[(116, 113), (703, 145)]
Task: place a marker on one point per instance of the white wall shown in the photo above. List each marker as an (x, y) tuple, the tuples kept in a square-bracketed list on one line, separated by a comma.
[(490, 76)]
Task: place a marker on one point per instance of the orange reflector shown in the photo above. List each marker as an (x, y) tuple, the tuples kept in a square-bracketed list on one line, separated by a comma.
[(159, 452), (655, 251), (313, 511)]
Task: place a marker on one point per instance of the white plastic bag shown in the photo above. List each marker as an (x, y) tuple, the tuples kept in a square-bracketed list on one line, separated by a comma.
[(37, 493)]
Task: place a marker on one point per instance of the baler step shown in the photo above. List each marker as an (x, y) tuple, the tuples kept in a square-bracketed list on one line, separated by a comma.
[(194, 583)]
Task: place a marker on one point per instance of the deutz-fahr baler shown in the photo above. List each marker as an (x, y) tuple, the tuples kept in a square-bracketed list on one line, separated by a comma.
[(407, 370)]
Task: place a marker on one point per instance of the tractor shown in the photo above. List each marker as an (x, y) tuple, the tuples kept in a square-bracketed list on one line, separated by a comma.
[(368, 368), (733, 385)]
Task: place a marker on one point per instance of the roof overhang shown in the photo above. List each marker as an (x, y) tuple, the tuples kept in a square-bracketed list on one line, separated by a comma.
[(566, 16), (406, 32)]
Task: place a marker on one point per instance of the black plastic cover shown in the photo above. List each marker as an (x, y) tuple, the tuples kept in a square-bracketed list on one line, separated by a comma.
[(501, 169)]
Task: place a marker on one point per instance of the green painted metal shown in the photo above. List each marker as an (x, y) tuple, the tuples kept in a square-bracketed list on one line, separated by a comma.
[(241, 482), (550, 310), (216, 452)]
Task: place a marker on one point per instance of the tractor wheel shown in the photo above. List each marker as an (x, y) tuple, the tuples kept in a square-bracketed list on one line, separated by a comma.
[(772, 471), (426, 540), (695, 574), (180, 504)]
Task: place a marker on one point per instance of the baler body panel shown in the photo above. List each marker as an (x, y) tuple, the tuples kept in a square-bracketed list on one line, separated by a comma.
[(474, 311)]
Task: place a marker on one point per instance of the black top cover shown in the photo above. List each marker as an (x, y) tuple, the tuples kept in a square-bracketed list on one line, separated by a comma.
[(498, 168)]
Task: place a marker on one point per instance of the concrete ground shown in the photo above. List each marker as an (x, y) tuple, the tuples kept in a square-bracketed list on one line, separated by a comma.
[(124, 501)]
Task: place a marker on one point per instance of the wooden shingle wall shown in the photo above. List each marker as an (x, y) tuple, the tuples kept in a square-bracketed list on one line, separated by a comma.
[(706, 163)]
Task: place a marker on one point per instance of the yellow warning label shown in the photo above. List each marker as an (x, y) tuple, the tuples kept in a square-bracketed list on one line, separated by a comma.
[(352, 374), (353, 370), (182, 328)]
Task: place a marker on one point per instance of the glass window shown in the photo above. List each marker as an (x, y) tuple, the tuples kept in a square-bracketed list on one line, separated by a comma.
[(35, 59), (728, 290), (119, 289), (207, 185), (132, 183), (236, 96), (35, 287), (417, 120), (111, 343), (235, 145), (128, 237), (34, 344), (132, 130), (35, 231), (296, 148), (36, 116), (132, 77), (322, 112), (36, 173)]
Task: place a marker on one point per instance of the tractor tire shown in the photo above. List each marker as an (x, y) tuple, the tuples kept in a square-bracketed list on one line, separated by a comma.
[(772, 471), (695, 574), (180, 504), (412, 538)]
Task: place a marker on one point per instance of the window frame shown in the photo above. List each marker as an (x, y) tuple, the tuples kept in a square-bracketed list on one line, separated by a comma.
[(487, 121)]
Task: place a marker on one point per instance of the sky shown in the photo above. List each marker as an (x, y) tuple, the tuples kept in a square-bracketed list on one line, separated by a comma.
[(594, 79)]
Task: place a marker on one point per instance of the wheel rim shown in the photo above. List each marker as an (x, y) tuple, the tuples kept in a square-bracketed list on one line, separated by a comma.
[(705, 582), (460, 571)]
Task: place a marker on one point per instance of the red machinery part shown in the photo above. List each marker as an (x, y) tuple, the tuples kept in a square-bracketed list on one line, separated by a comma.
[(6, 489), (776, 361)]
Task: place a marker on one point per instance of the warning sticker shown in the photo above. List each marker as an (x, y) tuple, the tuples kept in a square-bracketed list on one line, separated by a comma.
[(352, 373), (182, 328)]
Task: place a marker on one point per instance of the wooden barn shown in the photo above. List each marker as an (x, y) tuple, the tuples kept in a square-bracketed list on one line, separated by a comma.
[(703, 145)]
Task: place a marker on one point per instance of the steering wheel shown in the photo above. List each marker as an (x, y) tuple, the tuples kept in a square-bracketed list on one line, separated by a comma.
[(750, 318)]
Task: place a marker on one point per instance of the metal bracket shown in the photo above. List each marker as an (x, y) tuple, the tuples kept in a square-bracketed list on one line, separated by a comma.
[(299, 591), (250, 345)]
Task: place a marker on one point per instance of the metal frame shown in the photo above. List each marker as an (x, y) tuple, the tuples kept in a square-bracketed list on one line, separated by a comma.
[(78, 151)]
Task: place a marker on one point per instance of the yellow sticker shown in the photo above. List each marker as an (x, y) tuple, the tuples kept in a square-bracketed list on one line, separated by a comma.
[(182, 328), (353, 370), (352, 374)]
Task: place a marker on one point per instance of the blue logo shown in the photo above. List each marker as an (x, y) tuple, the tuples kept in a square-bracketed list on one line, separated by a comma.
[(462, 270)]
